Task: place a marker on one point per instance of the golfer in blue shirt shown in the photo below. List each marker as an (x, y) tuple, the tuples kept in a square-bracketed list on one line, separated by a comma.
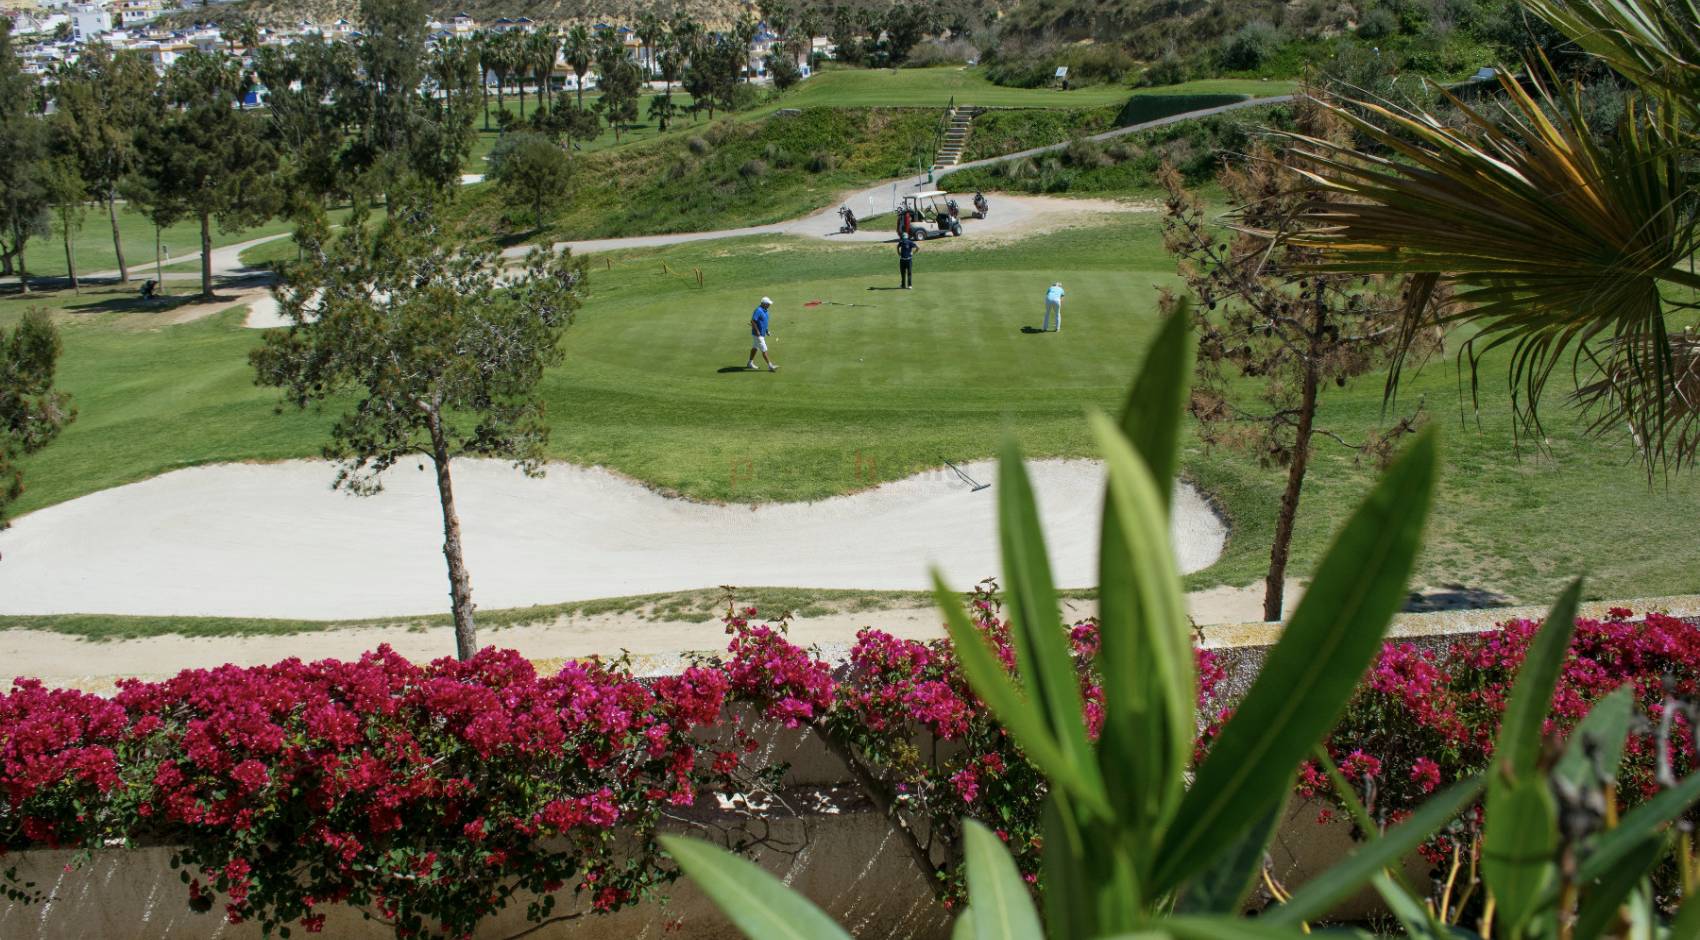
[(758, 336), (905, 260), (1053, 304)]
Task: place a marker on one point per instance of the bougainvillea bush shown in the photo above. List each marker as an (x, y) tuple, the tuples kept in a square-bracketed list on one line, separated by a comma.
[(916, 739), (433, 796), (427, 796), (1425, 717)]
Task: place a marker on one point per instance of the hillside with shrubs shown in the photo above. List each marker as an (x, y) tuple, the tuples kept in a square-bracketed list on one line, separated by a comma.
[(727, 173)]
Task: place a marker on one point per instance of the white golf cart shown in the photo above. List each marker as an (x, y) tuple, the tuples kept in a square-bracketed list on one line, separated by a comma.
[(934, 206)]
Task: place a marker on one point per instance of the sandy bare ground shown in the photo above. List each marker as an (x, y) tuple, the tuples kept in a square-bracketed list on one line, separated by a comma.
[(64, 660), (273, 540)]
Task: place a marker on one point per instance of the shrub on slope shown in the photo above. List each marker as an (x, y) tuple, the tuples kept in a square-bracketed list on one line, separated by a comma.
[(731, 173)]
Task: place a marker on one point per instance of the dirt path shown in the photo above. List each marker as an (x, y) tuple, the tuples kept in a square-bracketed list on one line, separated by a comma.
[(62, 660)]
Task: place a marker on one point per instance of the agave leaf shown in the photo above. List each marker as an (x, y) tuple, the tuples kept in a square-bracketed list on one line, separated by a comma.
[(1090, 885), (1336, 884), (1146, 658), (1595, 749), (1004, 909), (1042, 653), (1614, 846), (1223, 886), (1518, 748), (1687, 922), (1022, 718), (1226, 928), (1605, 898), (963, 929), (1520, 847), (1156, 405), (1520, 839), (1311, 673), (758, 903), (1406, 909)]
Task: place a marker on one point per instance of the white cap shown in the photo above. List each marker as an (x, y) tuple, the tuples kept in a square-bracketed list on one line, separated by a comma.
[(767, 302)]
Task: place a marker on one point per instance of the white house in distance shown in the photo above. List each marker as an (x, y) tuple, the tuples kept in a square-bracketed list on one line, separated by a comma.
[(90, 21)]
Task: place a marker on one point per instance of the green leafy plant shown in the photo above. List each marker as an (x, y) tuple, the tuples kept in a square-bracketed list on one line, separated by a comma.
[(1130, 846)]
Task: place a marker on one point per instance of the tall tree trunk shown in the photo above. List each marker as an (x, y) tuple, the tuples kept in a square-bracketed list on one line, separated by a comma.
[(117, 240), (485, 89), (158, 263), (460, 583), (206, 257), (1275, 583), (23, 266), (71, 262), (521, 84), (580, 89)]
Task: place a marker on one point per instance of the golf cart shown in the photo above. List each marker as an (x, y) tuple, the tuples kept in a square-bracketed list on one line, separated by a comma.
[(936, 207)]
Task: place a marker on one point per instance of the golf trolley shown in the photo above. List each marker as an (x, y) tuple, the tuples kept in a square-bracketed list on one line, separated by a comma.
[(981, 207), (848, 227)]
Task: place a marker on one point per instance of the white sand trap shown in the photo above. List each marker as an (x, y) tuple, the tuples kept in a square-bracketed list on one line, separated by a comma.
[(273, 540)]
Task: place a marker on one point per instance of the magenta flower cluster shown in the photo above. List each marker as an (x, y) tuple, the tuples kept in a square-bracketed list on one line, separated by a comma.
[(1427, 716), (430, 795), (435, 795)]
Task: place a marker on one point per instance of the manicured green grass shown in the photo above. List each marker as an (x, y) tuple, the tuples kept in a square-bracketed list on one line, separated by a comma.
[(899, 385), (644, 129), (93, 243), (679, 606)]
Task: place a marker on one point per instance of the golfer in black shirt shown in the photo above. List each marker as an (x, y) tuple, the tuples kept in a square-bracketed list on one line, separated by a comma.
[(906, 260)]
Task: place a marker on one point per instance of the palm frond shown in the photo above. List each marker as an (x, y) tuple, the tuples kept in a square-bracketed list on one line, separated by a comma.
[(1552, 242), (1653, 43)]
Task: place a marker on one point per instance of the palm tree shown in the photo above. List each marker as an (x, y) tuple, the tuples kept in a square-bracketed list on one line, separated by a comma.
[(545, 46), (1558, 243), (485, 45), (651, 33), (578, 49), (515, 48)]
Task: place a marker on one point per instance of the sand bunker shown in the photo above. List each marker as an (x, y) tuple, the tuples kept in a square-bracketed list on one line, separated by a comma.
[(273, 540)]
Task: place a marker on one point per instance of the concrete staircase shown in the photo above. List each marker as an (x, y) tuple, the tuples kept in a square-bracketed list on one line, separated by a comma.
[(956, 137)]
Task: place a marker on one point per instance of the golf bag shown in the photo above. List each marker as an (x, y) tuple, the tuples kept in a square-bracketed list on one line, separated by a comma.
[(150, 289), (981, 206), (849, 226)]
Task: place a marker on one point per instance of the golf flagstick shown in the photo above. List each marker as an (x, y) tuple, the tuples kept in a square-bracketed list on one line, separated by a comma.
[(976, 484)]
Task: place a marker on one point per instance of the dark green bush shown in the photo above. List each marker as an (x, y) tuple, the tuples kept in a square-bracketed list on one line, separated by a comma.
[(1249, 46), (1378, 23)]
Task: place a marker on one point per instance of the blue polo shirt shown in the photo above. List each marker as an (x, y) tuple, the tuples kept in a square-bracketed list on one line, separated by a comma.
[(905, 248), (758, 326), (1055, 294)]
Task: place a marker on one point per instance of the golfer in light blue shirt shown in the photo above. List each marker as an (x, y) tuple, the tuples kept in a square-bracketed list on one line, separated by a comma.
[(1053, 304), (758, 336)]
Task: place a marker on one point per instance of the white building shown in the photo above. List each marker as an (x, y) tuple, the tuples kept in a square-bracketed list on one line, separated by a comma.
[(89, 21)]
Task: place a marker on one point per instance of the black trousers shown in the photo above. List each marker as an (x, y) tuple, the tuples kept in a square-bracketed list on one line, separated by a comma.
[(906, 271)]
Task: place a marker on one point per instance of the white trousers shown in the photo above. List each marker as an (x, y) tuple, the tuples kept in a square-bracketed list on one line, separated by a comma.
[(1053, 306)]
